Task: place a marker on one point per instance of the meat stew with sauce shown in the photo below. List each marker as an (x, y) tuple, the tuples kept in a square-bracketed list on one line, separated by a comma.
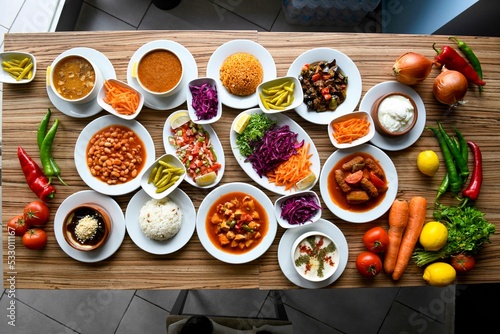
[(236, 223), (357, 182)]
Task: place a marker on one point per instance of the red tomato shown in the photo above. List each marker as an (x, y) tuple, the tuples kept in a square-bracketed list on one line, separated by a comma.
[(377, 182), (35, 238), (18, 225), (463, 263), (368, 264), (36, 213), (376, 239)]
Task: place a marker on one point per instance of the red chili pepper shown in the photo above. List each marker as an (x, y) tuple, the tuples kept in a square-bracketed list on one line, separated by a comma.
[(472, 190), (315, 77), (450, 58), (36, 179)]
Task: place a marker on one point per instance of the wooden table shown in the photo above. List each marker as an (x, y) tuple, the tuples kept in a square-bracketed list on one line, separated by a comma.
[(192, 267)]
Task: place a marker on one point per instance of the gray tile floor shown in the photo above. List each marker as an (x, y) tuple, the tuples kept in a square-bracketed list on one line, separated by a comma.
[(368, 310)]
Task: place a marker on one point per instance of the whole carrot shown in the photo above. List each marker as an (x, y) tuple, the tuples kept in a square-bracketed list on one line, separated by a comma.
[(398, 218), (416, 220)]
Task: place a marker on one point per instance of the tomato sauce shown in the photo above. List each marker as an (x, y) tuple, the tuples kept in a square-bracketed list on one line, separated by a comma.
[(159, 71), (339, 197), (231, 202)]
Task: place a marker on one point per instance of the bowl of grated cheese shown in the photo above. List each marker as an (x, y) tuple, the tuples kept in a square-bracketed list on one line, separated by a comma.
[(86, 227)]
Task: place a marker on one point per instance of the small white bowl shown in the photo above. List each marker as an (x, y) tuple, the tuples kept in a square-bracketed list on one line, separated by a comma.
[(150, 188), (7, 56), (345, 117), (173, 90), (330, 264), (102, 94), (189, 102), (284, 222), (91, 95), (298, 94)]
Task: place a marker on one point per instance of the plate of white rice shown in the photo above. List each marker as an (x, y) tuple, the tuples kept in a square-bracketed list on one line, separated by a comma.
[(160, 226)]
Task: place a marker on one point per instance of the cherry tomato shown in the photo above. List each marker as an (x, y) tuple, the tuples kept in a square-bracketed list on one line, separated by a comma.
[(463, 263), (376, 239), (35, 238), (18, 225), (368, 264), (36, 213)]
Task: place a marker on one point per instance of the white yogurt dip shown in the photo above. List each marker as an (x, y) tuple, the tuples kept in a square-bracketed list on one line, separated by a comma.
[(396, 113)]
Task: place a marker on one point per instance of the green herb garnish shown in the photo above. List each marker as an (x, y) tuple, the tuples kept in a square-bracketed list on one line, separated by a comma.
[(254, 131)]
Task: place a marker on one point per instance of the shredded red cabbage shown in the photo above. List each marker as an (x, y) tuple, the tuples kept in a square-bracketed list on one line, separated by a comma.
[(205, 101), (276, 146), (299, 209)]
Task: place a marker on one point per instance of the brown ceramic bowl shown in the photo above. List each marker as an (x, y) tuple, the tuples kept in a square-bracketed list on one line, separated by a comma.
[(400, 102), (86, 239)]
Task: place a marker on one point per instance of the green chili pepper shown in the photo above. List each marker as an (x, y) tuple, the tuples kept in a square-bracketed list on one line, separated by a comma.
[(454, 180), (45, 151), (462, 143), (443, 188), (463, 168), (476, 64), (42, 128)]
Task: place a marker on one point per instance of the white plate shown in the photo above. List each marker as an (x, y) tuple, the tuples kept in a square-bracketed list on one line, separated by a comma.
[(190, 72), (285, 246), (81, 154), (211, 198), (401, 142), (115, 238), (154, 246), (216, 144), (354, 85), (90, 108), (227, 49), (281, 120), (390, 174)]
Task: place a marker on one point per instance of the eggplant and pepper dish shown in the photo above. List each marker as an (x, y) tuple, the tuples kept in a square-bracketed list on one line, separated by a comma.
[(324, 85)]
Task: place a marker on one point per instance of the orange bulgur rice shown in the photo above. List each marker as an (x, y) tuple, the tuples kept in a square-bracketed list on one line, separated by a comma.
[(241, 73)]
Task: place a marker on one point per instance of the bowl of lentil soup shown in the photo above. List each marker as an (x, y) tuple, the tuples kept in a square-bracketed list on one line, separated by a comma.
[(111, 154), (74, 78), (159, 72)]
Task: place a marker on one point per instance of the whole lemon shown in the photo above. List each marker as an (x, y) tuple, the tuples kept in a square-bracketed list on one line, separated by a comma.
[(433, 236), (439, 274), (428, 162)]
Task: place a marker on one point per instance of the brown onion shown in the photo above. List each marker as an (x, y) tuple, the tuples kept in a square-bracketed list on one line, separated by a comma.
[(412, 68), (450, 87)]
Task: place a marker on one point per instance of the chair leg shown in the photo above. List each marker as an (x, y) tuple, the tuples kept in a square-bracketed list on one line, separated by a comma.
[(279, 306), (179, 302)]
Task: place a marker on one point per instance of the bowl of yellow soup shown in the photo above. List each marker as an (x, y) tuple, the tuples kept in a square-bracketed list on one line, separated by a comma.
[(74, 78)]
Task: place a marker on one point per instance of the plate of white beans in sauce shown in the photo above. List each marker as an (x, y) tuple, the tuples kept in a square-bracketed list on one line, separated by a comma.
[(111, 154)]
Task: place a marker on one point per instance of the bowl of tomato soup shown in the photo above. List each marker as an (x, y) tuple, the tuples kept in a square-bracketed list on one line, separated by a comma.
[(74, 78), (159, 72)]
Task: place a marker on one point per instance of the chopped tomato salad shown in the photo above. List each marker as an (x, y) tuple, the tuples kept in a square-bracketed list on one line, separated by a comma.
[(194, 148)]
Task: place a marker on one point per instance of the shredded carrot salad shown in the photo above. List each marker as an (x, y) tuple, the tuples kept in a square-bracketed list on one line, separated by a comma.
[(124, 101), (350, 130), (289, 172)]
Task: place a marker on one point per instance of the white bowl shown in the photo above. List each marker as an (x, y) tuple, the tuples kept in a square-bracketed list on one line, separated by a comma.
[(298, 94), (7, 56), (192, 112), (150, 188), (284, 222), (330, 260), (102, 94), (84, 99), (169, 92), (345, 117)]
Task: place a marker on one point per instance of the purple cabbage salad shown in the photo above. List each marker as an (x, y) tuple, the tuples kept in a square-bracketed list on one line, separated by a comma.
[(299, 209), (276, 146), (205, 101)]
